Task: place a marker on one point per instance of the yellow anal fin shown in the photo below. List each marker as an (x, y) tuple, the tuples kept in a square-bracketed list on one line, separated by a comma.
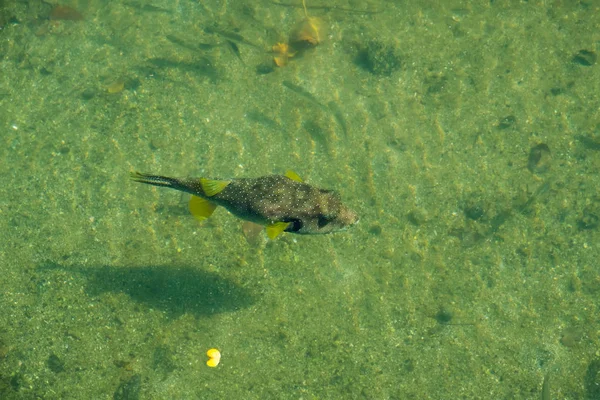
[(276, 229), (293, 176), (201, 208), (212, 187)]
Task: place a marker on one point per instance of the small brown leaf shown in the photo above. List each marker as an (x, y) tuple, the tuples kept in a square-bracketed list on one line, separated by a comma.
[(65, 13)]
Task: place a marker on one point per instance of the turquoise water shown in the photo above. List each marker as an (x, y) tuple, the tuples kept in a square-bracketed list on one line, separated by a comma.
[(464, 133)]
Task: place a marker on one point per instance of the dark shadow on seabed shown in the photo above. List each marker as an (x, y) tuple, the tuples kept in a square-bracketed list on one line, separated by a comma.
[(176, 290)]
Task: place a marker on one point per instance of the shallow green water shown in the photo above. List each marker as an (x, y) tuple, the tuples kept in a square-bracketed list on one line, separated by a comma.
[(472, 274)]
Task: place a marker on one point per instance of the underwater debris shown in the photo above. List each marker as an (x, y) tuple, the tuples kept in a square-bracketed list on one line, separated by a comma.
[(65, 13), (252, 232), (116, 87), (589, 219), (308, 32), (264, 69), (88, 93), (283, 52), (589, 142), (129, 388), (586, 58), (591, 381), (571, 336), (474, 209), (506, 122), (55, 364), (378, 58), (539, 159), (305, 35)]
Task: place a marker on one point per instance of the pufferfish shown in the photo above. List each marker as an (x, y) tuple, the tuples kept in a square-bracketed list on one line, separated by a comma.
[(282, 203)]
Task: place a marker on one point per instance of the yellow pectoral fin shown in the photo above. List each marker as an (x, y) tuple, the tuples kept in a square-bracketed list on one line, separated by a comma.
[(201, 208), (276, 229), (293, 176), (212, 186)]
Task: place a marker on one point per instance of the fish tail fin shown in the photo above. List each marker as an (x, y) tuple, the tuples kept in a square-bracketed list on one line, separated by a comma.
[(158, 180), (200, 207)]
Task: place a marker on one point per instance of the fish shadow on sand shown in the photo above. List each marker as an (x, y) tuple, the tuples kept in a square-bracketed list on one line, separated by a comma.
[(176, 290)]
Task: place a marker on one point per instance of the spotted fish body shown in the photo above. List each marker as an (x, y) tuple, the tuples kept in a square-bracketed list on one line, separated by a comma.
[(281, 203)]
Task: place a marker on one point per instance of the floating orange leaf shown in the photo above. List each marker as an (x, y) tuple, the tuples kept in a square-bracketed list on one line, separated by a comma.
[(116, 86), (252, 232), (283, 52), (65, 13), (308, 31)]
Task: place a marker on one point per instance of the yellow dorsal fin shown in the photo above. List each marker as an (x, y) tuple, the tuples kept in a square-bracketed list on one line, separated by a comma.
[(201, 208), (276, 229), (212, 186), (293, 176)]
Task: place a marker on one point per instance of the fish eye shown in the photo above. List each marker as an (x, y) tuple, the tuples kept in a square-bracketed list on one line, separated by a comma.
[(295, 225)]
